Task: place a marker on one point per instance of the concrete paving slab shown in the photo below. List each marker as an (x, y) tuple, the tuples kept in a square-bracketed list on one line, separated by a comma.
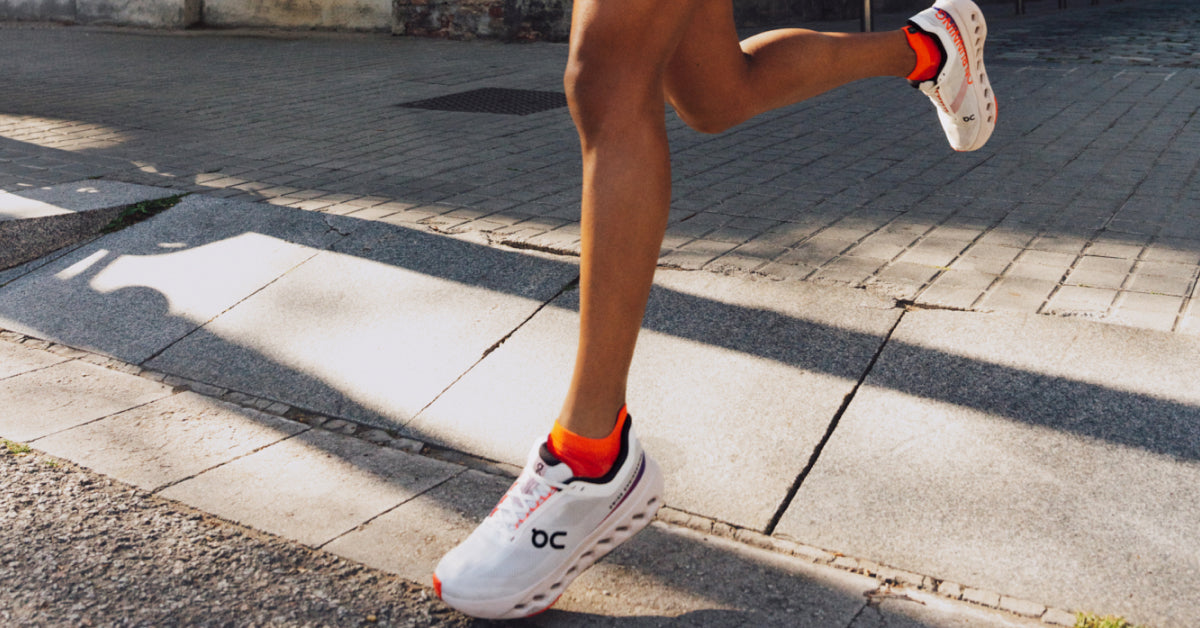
[(35, 221), (375, 329), (1039, 458), (313, 487), (664, 572), (410, 540), (16, 359), (706, 581), (42, 402), (721, 363), (168, 440), (16, 272), (132, 293)]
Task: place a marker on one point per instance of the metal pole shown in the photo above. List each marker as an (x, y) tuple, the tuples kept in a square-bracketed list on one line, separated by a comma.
[(867, 22)]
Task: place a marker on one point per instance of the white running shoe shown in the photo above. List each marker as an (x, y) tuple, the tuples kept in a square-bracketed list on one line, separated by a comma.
[(546, 530), (961, 92)]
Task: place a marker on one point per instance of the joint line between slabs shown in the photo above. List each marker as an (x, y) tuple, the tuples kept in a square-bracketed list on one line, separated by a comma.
[(158, 489), (570, 285), (225, 311), (369, 520), (837, 417)]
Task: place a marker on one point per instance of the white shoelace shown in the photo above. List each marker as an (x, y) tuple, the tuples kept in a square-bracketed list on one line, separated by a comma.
[(517, 504)]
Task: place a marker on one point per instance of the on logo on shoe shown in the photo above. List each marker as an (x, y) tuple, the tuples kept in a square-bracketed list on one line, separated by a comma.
[(541, 539)]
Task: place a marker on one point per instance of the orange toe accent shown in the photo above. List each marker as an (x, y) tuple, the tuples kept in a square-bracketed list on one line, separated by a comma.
[(437, 586)]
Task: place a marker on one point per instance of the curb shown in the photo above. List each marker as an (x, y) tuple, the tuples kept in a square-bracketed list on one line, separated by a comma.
[(38, 221)]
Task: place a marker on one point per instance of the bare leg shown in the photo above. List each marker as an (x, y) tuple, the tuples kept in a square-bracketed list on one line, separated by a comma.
[(625, 56), (715, 82), (614, 81)]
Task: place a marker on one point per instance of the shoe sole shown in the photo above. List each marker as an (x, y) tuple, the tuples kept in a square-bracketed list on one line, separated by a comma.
[(973, 28), (642, 503)]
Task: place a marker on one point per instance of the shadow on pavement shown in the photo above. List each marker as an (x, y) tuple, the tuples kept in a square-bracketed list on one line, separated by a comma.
[(131, 314)]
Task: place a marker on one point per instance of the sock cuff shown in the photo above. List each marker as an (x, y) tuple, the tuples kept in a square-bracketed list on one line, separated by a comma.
[(929, 54), (587, 457)]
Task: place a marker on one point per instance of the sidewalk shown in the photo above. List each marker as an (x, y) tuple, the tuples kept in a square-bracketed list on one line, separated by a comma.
[(910, 326)]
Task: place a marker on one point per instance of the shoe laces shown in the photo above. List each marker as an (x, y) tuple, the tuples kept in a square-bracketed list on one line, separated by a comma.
[(524, 497)]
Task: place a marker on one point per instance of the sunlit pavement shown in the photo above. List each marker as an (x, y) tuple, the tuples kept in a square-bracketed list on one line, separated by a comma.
[(968, 375)]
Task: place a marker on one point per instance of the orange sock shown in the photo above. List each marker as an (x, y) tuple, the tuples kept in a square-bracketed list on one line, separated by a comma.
[(929, 54), (587, 457)]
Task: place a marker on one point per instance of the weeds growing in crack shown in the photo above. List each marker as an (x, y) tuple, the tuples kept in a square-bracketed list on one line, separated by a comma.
[(141, 211)]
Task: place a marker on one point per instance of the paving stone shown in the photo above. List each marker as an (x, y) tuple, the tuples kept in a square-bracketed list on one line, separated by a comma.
[(906, 608), (45, 401), (1022, 607), (1177, 285), (981, 265), (412, 538), (849, 270), (901, 280), (1017, 294), (132, 293), (1077, 300), (956, 289), (983, 598), (1148, 311), (374, 330), (790, 351), (168, 440), (1008, 416), (288, 488), (933, 251), (17, 358), (1057, 617), (1100, 272)]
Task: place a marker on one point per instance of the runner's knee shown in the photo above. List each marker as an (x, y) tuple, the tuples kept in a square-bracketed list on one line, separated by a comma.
[(603, 98)]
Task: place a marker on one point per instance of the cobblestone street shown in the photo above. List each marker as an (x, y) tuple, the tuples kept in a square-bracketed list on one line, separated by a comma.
[(1084, 203)]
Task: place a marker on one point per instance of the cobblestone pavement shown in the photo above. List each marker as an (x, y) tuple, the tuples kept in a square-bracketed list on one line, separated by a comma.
[(1084, 203)]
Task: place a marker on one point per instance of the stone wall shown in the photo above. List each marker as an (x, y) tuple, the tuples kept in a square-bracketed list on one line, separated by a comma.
[(325, 14), (548, 20), (49, 10), (156, 13)]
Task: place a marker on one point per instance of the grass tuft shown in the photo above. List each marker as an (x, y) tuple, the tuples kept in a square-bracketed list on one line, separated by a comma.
[(141, 211), (1088, 620), (16, 449)]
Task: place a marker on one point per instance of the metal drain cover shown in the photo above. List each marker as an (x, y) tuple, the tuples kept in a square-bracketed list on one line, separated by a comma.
[(516, 102)]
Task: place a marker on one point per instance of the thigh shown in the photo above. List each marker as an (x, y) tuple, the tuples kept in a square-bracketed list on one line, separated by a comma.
[(619, 44), (708, 67)]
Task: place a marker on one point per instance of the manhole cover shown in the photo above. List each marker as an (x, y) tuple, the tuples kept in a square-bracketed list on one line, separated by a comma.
[(516, 102)]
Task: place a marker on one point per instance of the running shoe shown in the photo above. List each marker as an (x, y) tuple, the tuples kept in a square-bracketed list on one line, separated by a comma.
[(547, 529), (961, 92)]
